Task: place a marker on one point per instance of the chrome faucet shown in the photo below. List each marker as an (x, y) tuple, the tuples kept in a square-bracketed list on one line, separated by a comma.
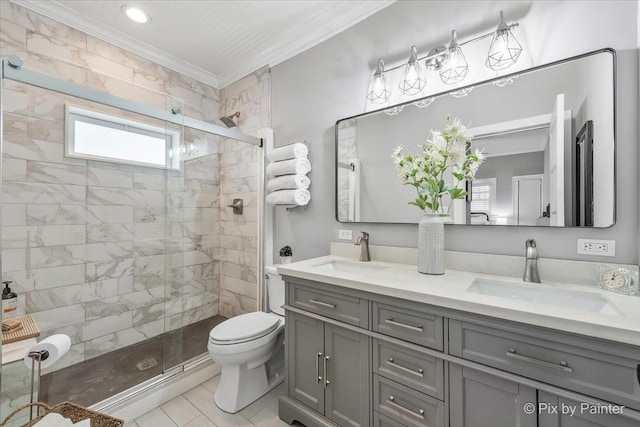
[(363, 242), (531, 273)]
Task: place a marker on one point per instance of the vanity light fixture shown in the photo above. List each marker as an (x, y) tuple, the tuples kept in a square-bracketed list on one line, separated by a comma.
[(505, 49), (455, 67), (136, 14), (449, 61), (379, 92), (413, 80)]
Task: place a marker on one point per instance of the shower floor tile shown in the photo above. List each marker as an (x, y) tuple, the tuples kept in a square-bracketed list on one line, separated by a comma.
[(198, 407), (96, 379)]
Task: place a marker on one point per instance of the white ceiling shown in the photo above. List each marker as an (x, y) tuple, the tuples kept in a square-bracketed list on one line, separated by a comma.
[(218, 41)]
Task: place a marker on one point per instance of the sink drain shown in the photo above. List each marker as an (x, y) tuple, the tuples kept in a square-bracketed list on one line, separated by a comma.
[(147, 364)]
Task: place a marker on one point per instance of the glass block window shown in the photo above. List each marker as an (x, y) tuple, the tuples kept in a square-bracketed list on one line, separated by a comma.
[(97, 136)]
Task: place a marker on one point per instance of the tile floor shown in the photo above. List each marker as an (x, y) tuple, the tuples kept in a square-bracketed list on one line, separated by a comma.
[(196, 408)]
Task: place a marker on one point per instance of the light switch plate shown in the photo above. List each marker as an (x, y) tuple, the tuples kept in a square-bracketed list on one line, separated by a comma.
[(345, 234), (597, 247)]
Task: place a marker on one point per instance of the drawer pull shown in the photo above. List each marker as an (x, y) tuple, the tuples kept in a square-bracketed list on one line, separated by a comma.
[(326, 372), (563, 365), (403, 325), (418, 373), (392, 401), (322, 303), (318, 376)]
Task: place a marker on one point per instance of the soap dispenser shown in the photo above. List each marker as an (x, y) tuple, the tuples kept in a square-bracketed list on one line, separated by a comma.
[(9, 302)]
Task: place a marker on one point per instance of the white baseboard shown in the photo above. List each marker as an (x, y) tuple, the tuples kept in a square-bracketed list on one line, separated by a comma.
[(159, 394)]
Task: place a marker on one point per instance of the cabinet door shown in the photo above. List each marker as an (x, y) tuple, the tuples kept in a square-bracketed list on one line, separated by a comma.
[(348, 376), (481, 400), (557, 411), (305, 353)]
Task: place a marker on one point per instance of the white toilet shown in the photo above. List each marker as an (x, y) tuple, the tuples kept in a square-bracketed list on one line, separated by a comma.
[(250, 350)]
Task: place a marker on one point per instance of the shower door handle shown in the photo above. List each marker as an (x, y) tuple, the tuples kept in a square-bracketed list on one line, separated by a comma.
[(318, 376)]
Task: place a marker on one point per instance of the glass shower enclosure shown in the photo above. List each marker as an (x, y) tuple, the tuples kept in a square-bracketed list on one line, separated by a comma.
[(110, 233)]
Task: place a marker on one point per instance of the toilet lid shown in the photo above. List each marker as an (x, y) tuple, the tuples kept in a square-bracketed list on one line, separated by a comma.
[(245, 327)]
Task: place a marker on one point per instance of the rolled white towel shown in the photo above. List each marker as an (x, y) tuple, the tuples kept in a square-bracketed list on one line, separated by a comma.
[(289, 197), (288, 167), (286, 182), (291, 151)]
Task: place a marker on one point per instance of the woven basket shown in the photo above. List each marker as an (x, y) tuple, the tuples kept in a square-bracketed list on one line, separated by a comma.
[(72, 411)]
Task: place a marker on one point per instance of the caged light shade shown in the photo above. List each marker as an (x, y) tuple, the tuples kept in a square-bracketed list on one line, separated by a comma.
[(455, 67), (413, 80), (505, 49), (379, 92)]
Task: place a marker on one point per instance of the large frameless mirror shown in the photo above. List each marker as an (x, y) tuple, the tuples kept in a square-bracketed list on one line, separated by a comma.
[(547, 133)]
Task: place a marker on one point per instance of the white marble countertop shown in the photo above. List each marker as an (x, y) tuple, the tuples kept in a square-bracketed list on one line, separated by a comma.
[(450, 291)]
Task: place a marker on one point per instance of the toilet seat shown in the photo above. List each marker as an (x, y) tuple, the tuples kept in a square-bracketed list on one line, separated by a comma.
[(244, 328)]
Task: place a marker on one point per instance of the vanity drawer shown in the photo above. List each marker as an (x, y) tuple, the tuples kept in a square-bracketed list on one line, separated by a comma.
[(346, 308), (414, 326), (604, 370), (416, 370), (405, 405), (380, 420)]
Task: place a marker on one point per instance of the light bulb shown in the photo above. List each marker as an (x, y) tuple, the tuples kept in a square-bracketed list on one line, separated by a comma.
[(136, 14), (505, 49), (455, 67), (379, 92), (414, 80)]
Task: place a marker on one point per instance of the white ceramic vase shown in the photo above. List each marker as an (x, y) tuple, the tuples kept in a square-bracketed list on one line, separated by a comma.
[(431, 243), (286, 259)]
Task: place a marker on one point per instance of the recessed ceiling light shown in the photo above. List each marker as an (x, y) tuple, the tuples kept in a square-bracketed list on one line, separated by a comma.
[(136, 14)]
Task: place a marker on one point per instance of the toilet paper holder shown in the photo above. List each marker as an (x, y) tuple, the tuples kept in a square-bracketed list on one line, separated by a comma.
[(39, 356)]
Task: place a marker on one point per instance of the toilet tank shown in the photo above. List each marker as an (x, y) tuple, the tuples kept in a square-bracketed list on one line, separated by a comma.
[(275, 290)]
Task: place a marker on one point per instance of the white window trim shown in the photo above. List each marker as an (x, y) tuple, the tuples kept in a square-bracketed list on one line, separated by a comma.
[(73, 114)]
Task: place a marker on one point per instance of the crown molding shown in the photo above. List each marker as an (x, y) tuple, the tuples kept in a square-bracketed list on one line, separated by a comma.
[(285, 49), (279, 52), (70, 17)]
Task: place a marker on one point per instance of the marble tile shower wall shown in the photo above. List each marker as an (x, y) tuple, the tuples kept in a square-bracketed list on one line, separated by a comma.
[(239, 178), (104, 237)]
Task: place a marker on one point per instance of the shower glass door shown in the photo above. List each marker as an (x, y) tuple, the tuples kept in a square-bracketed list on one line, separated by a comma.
[(93, 239)]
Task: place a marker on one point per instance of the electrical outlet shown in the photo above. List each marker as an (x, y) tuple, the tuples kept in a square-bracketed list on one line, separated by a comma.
[(345, 235), (597, 247)]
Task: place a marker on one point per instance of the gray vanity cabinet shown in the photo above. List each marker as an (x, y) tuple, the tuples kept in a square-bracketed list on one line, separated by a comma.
[(570, 413), (305, 352), (328, 369), (592, 367), (359, 359), (346, 376), (478, 399)]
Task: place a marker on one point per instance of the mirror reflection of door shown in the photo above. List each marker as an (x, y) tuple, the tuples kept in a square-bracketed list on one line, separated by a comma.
[(527, 199), (556, 162), (584, 176)]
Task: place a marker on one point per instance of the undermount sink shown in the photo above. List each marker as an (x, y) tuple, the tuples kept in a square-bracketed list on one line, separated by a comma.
[(350, 266), (575, 300)]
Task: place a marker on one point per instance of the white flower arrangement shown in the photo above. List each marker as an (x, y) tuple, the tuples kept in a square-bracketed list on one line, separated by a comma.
[(443, 150)]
